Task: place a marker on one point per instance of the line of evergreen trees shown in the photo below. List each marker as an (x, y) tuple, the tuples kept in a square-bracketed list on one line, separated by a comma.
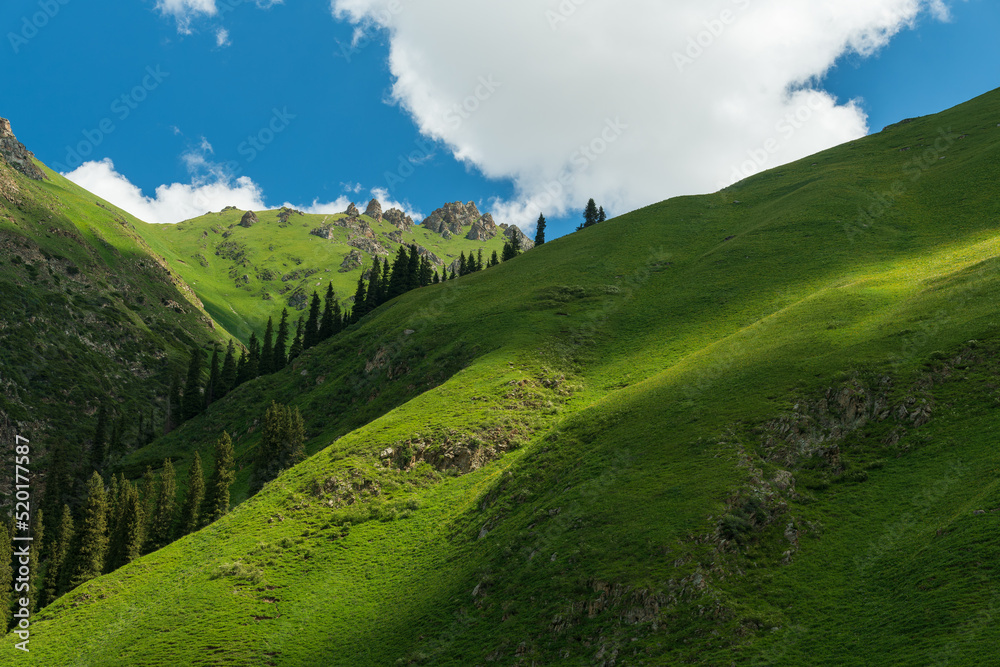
[(117, 522), (592, 215)]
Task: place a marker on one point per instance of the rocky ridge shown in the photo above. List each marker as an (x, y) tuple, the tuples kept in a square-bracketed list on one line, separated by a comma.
[(15, 154)]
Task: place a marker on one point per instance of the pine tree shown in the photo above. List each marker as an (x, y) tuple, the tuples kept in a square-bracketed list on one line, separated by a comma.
[(282, 443), (34, 558), (58, 553), (162, 525), (296, 348), (227, 378), (373, 298), (253, 357), (127, 533), (191, 511), (494, 260), (216, 503), (358, 310), (311, 335), (383, 292), (326, 324), (590, 214), (452, 276), (295, 437), (397, 284), (511, 247), (601, 215), (281, 343), (540, 230), (267, 350), (93, 539), (213, 390), (98, 449), (6, 575), (338, 318), (462, 266), (413, 269), (425, 271), (437, 279), (479, 260), (242, 369), (193, 401), (112, 505), (115, 443), (148, 498)]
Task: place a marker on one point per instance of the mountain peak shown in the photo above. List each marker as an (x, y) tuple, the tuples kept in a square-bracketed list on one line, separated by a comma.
[(15, 154)]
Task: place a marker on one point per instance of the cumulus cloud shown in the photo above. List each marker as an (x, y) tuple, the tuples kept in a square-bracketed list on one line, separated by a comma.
[(171, 203), (222, 38), (339, 205), (631, 101), (185, 11)]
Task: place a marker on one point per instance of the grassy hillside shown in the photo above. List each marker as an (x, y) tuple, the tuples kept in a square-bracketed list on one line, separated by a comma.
[(243, 275), (747, 428), (89, 314)]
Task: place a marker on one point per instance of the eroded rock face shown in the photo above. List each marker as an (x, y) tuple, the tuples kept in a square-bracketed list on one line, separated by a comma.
[(512, 231), (374, 210), (373, 248), (483, 229), (398, 219), (351, 261), (352, 211), (249, 219), (15, 154), (452, 217)]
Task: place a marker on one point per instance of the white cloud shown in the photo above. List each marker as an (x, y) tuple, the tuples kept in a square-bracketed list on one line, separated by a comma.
[(172, 203), (339, 205), (630, 101), (222, 38), (185, 11)]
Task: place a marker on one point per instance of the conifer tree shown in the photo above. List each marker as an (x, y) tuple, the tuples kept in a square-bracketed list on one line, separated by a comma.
[(99, 447), (148, 498), (93, 540), (437, 279), (253, 357), (216, 502), (58, 553), (463, 268), (267, 349), (162, 525), (358, 310), (425, 271), (282, 443), (34, 558), (193, 401), (511, 247), (111, 495), (242, 369), (601, 216), (383, 292), (6, 575), (213, 390), (191, 510), (127, 533), (227, 377), (115, 443), (281, 343), (311, 335), (479, 260), (540, 230), (372, 298), (413, 269), (590, 214), (296, 348), (397, 283), (326, 324), (494, 260), (453, 276)]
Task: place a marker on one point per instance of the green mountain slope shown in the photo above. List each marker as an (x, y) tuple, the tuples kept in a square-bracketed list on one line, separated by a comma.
[(244, 274), (89, 314), (752, 428)]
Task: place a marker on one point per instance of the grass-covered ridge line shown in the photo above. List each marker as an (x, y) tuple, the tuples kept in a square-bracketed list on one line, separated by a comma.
[(652, 508)]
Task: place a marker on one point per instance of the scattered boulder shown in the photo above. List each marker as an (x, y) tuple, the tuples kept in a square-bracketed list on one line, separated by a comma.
[(286, 213), (351, 261), (16, 155), (352, 211), (230, 208), (374, 210), (249, 219), (396, 236), (398, 219)]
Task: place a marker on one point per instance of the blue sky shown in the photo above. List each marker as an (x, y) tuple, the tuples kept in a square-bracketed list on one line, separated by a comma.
[(302, 101)]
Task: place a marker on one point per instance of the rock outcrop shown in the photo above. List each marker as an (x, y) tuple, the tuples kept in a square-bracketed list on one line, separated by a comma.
[(15, 154), (373, 248), (398, 219), (249, 219), (351, 261), (483, 229), (512, 230), (452, 217), (352, 211), (286, 213), (374, 210)]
